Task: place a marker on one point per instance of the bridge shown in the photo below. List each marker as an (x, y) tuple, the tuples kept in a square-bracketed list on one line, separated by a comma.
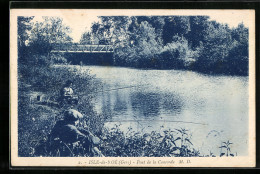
[(79, 48)]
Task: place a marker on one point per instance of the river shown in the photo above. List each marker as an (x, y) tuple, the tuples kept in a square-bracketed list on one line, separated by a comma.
[(212, 108)]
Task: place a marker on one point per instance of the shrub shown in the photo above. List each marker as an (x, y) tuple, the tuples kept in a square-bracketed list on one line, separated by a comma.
[(58, 59), (174, 54), (134, 144)]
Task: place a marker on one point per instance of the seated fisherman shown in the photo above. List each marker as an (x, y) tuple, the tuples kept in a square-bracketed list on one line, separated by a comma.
[(65, 134), (67, 93)]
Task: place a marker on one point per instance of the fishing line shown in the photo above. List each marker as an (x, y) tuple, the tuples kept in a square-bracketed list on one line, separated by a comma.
[(113, 89), (159, 121)]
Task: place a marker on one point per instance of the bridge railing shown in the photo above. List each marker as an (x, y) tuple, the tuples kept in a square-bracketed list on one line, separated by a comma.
[(84, 48)]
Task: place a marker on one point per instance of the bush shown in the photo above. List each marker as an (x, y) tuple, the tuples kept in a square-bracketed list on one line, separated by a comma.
[(171, 143), (174, 54), (58, 59)]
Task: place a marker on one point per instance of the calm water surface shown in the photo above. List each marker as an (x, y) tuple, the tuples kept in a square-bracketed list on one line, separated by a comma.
[(212, 108)]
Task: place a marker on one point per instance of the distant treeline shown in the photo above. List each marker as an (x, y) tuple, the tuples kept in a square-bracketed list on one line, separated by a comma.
[(157, 42), (174, 42)]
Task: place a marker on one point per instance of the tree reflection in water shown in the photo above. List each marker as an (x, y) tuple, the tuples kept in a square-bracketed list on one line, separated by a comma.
[(154, 104)]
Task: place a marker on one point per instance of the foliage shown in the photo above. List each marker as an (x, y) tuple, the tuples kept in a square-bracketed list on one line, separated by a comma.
[(175, 25), (226, 146), (222, 52), (38, 37), (86, 38), (149, 42), (58, 59), (36, 120), (24, 28), (154, 42), (198, 31), (39, 76), (23, 32), (174, 54), (115, 143), (50, 30), (134, 144), (144, 48)]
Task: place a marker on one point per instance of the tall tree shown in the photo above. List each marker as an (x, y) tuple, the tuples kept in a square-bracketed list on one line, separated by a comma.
[(24, 27), (238, 54), (50, 31), (175, 25), (198, 29), (86, 38)]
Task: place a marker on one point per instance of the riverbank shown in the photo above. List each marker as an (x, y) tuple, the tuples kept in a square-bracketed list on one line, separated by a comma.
[(149, 143), (38, 109), (217, 69)]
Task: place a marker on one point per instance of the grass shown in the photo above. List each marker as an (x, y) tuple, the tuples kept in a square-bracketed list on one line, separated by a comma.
[(35, 121), (116, 143), (154, 144)]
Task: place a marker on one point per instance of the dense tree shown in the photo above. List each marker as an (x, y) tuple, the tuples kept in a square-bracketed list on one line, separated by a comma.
[(146, 48), (158, 23), (98, 32), (198, 30), (36, 39), (180, 42), (175, 25), (48, 32), (216, 44), (86, 38), (24, 27), (238, 54), (23, 31), (223, 50)]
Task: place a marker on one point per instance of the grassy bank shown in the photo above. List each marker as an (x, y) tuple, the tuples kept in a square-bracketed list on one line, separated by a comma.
[(37, 118)]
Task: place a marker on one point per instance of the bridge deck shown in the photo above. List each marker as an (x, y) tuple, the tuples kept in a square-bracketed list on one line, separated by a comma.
[(84, 49)]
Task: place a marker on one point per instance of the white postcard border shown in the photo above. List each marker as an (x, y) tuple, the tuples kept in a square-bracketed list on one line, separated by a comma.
[(248, 161)]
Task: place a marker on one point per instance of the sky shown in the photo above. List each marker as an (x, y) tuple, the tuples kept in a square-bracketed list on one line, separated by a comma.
[(80, 20)]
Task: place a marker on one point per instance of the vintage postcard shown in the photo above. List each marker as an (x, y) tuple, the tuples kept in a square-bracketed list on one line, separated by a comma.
[(132, 88)]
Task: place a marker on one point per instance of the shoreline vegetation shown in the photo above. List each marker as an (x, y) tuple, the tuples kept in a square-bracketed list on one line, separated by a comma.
[(36, 121), (185, 43), (155, 42)]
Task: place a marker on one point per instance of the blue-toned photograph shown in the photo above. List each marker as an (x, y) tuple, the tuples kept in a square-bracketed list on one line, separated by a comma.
[(133, 86)]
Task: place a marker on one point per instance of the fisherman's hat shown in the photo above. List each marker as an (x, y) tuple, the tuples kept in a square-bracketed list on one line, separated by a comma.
[(72, 115)]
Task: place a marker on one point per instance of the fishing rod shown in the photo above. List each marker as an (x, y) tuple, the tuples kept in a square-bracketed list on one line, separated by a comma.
[(158, 121), (121, 88), (83, 94), (113, 89)]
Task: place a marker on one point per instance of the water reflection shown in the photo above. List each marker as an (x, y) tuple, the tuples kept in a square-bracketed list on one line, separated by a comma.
[(150, 104), (106, 105), (120, 105), (145, 104), (133, 104), (172, 104), (180, 100)]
